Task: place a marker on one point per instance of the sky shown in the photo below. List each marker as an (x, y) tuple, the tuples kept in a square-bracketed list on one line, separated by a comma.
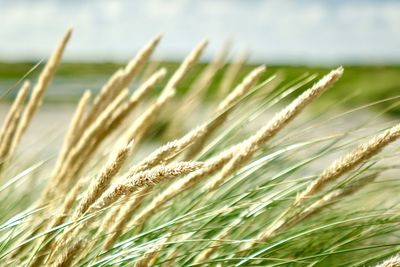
[(279, 31)]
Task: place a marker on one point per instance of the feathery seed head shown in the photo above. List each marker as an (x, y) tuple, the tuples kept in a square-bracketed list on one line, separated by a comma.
[(351, 160), (280, 120), (392, 262), (144, 179)]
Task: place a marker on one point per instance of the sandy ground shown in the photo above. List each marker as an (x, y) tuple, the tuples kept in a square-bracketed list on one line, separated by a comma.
[(47, 130)]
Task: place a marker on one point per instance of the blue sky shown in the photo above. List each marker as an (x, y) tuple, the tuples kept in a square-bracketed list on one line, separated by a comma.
[(280, 31)]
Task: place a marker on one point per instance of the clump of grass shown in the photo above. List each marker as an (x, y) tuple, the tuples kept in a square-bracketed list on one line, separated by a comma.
[(220, 194), (392, 262), (11, 123)]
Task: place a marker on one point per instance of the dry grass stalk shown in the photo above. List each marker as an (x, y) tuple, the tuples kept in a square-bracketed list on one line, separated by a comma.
[(198, 145), (214, 245), (231, 74), (247, 83), (38, 91), (110, 224), (79, 151), (15, 107), (196, 92), (283, 223), (160, 156), (171, 149), (349, 162), (145, 88), (67, 257), (279, 121), (143, 180), (168, 151), (327, 200), (121, 79), (40, 254), (139, 128), (127, 186), (122, 113), (121, 218), (391, 262), (203, 81), (185, 66), (10, 123), (103, 98), (146, 119), (149, 257), (136, 64), (72, 135), (118, 114), (102, 181), (210, 166), (149, 70), (113, 227)]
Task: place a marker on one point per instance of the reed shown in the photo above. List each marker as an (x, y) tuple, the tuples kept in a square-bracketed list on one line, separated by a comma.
[(114, 222), (151, 67), (40, 252), (72, 164), (210, 167), (142, 123), (142, 180), (67, 257), (72, 134), (120, 115), (10, 124), (339, 167), (231, 74), (392, 262), (148, 258), (14, 110), (185, 66), (121, 79), (115, 115), (102, 181), (121, 216), (282, 222), (116, 197), (36, 98), (278, 122), (196, 92), (160, 156), (139, 128), (232, 98), (126, 187), (349, 162)]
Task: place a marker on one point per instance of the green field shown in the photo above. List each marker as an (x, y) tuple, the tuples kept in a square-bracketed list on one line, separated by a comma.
[(360, 85)]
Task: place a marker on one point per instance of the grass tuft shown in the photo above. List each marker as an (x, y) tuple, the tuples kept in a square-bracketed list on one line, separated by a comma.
[(182, 177)]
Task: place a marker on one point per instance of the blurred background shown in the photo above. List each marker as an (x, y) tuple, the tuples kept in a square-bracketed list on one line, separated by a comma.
[(278, 32), (290, 37)]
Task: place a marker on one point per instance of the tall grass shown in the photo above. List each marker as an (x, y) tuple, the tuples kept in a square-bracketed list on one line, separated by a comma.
[(234, 186)]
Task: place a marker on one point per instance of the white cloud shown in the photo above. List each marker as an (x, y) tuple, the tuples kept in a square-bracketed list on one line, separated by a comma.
[(171, 8), (307, 30)]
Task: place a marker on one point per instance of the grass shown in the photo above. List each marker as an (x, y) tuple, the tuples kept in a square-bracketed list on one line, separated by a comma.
[(366, 83), (227, 184)]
